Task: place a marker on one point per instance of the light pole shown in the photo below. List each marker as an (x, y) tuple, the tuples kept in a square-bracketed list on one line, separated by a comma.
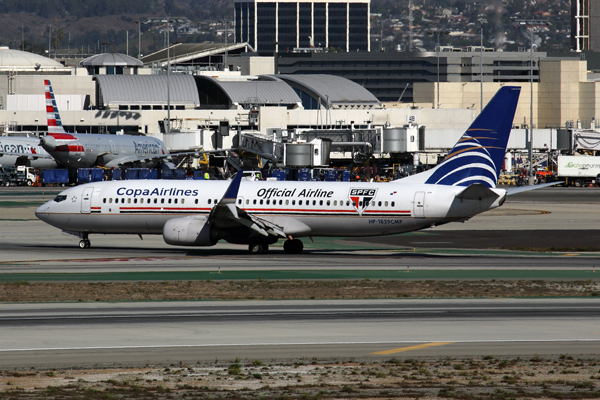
[(438, 32), (168, 126), (225, 67), (139, 23), (481, 22), (531, 25)]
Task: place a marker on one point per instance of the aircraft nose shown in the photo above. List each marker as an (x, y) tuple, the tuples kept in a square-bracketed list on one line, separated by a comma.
[(42, 212)]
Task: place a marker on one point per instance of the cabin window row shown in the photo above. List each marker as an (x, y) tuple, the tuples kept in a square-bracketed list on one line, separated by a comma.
[(122, 200), (307, 202)]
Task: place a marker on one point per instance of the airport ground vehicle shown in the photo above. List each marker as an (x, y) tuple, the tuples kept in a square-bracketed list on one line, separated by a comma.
[(578, 170), (20, 175)]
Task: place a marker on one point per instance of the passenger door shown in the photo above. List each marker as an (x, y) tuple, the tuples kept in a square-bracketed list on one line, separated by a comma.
[(419, 205), (86, 200)]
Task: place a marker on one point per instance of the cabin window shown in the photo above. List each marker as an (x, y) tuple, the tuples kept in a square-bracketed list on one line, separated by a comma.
[(110, 200), (268, 202), (123, 200), (299, 202), (379, 204), (320, 202), (169, 201), (280, 202), (196, 201), (182, 201), (240, 201), (129, 200), (104, 200), (254, 201), (209, 201), (162, 201), (293, 202), (328, 203), (261, 202), (393, 204), (386, 203), (314, 202), (175, 201), (247, 201), (155, 201), (360, 203), (142, 200), (215, 201), (347, 203), (287, 202), (135, 201)]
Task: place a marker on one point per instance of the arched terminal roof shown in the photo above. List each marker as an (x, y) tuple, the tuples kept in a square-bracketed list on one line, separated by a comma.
[(111, 59), (18, 60), (124, 90), (333, 91), (246, 93)]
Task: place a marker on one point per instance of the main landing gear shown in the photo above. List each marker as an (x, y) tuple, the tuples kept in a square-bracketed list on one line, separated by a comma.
[(293, 246), (258, 248), (84, 243)]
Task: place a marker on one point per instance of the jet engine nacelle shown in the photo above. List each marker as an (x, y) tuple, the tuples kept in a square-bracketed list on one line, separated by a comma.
[(190, 231)]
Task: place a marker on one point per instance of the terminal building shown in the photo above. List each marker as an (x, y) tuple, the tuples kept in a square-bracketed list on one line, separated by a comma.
[(237, 101)]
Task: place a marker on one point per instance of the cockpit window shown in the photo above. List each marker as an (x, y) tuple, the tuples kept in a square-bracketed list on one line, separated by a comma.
[(60, 197)]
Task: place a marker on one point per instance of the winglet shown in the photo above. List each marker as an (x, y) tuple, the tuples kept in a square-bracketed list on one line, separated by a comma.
[(234, 186)]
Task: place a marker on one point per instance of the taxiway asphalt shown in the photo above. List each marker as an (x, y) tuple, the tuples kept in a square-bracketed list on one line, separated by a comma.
[(163, 332)]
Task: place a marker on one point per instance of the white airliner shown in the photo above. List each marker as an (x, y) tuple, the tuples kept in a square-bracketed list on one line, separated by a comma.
[(16, 150), (259, 213)]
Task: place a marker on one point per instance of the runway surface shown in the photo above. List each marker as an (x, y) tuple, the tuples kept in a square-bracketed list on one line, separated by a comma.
[(140, 333)]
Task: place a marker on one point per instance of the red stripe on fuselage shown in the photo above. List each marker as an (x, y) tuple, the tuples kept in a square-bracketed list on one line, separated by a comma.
[(61, 136)]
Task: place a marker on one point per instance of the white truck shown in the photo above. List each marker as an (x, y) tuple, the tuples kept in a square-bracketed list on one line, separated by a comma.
[(578, 170)]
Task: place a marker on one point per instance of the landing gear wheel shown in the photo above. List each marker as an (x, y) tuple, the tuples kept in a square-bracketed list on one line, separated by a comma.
[(84, 244), (294, 246), (258, 248)]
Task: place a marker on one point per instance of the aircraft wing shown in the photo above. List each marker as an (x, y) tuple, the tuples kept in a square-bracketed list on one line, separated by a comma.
[(226, 214), (124, 161)]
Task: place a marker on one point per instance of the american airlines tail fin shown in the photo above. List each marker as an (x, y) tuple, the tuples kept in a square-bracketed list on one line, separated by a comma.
[(478, 156), (54, 122)]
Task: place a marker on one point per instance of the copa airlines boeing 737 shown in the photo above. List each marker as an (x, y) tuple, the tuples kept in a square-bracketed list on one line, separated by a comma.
[(259, 213), (89, 150)]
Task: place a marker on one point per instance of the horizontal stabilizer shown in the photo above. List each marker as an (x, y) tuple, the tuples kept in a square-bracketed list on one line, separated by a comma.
[(521, 189), (477, 191)]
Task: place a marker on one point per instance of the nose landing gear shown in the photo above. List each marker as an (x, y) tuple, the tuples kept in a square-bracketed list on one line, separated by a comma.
[(84, 243)]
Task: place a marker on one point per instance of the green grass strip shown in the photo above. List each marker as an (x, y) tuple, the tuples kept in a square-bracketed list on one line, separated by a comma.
[(302, 275)]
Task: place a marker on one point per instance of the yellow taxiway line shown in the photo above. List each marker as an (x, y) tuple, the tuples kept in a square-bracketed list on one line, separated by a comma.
[(409, 348)]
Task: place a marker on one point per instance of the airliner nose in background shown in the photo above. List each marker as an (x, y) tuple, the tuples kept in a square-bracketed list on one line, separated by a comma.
[(89, 150), (259, 213)]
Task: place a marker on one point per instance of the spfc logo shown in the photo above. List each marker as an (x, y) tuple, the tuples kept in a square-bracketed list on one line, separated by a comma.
[(361, 198)]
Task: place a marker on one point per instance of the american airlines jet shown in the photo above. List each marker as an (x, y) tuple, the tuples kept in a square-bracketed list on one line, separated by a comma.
[(89, 150), (259, 213)]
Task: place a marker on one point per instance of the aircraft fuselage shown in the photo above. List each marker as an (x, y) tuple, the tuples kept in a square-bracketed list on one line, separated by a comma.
[(303, 209)]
